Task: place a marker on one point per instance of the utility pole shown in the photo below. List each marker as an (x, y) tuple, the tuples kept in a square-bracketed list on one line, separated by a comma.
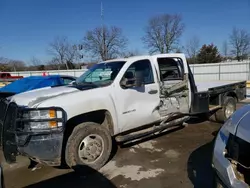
[(103, 35)]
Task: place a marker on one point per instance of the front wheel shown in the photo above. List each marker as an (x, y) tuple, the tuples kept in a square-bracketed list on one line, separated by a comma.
[(90, 144)]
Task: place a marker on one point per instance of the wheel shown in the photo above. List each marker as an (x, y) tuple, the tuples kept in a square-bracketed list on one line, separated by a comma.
[(228, 108), (90, 145)]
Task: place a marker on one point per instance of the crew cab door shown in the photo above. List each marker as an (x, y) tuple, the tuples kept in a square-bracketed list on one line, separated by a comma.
[(136, 105), (175, 84)]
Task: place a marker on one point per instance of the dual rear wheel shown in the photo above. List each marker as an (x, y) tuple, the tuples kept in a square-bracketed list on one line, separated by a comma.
[(228, 108)]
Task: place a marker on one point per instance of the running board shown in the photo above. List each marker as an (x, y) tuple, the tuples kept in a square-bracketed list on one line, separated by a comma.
[(151, 130)]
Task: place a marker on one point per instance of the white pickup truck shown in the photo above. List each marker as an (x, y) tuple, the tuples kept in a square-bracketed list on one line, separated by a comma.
[(121, 100)]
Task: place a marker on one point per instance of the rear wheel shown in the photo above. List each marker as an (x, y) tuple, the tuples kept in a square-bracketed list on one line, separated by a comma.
[(90, 144), (228, 108)]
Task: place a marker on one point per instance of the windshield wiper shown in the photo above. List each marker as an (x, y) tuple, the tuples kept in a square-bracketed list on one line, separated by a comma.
[(86, 84)]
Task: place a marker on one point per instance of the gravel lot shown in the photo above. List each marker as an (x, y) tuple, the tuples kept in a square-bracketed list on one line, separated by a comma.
[(180, 158)]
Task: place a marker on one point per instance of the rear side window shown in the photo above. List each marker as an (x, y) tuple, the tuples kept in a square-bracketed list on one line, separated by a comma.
[(171, 69)]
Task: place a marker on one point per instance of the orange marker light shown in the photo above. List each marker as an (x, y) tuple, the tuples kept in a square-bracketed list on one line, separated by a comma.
[(52, 124), (52, 113)]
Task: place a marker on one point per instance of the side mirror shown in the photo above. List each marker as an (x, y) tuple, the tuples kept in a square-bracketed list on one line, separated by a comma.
[(133, 82), (130, 80), (72, 83)]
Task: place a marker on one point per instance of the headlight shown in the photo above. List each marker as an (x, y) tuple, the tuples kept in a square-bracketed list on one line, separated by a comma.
[(42, 119), (43, 125), (42, 114)]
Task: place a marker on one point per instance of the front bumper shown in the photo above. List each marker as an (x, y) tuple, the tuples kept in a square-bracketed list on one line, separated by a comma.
[(222, 166), (43, 146), (46, 149)]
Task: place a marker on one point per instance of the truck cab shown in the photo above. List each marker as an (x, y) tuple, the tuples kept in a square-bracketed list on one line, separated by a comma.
[(121, 100)]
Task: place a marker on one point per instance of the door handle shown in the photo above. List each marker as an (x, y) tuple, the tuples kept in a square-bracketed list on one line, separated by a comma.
[(153, 91)]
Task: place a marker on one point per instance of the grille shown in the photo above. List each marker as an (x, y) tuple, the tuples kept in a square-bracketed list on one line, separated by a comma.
[(10, 118), (3, 108), (238, 150), (9, 132)]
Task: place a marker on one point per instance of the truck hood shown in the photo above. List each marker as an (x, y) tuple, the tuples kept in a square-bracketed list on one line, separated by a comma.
[(34, 97)]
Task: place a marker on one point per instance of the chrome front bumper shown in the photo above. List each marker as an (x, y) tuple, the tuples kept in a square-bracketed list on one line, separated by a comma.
[(222, 166)]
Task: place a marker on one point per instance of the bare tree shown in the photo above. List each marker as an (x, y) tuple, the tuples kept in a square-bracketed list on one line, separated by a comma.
[(16, 65), (12, 64), (193, 47), (35, 62), (54, 64), (162, 33), (225, 49), (63, 51), (130, 53), (240, 42), (4, 60), (106, 43)]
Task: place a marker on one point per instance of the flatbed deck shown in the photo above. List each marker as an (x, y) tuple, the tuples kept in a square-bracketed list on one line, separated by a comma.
[(203, 86)]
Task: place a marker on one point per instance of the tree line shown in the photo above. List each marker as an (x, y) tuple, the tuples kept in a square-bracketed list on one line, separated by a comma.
[(162, 34)]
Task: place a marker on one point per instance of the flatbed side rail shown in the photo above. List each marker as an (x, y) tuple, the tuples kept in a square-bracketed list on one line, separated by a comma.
[(226, 88)]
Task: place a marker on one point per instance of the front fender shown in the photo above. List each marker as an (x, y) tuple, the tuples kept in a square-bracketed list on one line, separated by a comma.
[(83, 102)]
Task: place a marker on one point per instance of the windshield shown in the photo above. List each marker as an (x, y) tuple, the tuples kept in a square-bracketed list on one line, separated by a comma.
[(101, 74)]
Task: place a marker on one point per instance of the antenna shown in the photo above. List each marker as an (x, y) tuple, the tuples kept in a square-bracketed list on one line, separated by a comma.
[(101, 13)]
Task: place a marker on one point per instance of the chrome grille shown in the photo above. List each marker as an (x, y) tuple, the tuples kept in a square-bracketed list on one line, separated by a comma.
[(3, 108), (9, 132)]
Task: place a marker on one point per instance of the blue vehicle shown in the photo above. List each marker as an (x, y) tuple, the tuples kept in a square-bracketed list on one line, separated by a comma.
[(34, 82)]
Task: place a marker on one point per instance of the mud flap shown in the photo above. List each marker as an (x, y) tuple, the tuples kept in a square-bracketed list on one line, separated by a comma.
[(9, 134)]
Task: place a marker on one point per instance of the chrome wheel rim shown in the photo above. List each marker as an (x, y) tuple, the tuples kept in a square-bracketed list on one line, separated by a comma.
[(91, 148), (229, 110)]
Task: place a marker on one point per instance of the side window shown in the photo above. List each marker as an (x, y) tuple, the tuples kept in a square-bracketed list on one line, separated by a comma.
[(140, 67), (66, 81), (170, 69)]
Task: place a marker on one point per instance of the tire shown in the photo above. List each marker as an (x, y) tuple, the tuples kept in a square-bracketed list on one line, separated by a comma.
[(89, 145), (228, 108)]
